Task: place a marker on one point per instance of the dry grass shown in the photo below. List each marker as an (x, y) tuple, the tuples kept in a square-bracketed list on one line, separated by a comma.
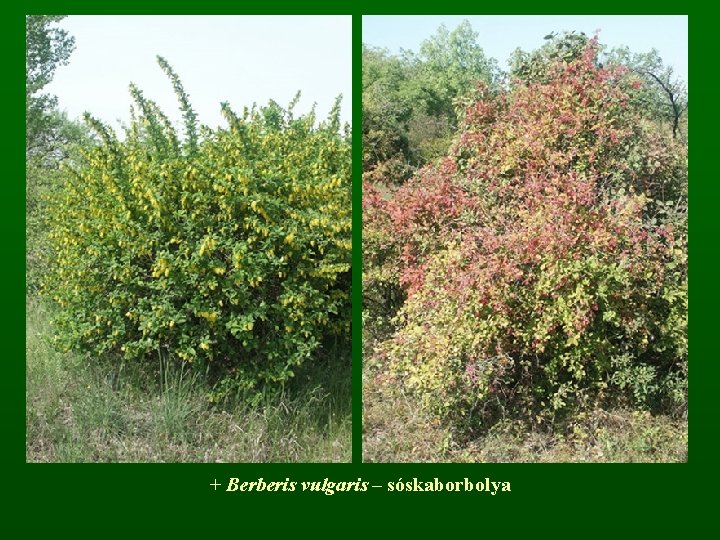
[(79, 411), (396, 429)]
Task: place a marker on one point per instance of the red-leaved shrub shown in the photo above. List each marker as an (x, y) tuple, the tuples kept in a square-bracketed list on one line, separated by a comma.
[(544, 259)]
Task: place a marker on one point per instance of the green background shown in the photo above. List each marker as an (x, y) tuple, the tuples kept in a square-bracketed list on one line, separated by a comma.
[(574, 499)]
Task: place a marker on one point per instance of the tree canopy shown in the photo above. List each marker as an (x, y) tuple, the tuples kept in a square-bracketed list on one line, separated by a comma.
[(46, 47), (410, 99)]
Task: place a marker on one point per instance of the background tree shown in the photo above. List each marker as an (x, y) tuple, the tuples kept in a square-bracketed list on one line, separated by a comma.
[(661, 94), (46, 48), (386, 110), (450, 64), (49, 134), (410, 99)]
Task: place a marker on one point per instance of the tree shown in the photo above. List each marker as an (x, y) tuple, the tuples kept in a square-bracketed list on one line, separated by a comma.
[(46, 47), (385, 111), (661, 93), (450, 65), (48, 132), (410, 99)]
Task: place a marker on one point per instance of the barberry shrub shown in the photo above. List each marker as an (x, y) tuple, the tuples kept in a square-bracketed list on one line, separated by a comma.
[(229, 249), (544, 259)]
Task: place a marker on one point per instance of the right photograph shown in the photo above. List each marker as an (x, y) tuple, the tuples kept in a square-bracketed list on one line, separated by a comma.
[(524, 216)]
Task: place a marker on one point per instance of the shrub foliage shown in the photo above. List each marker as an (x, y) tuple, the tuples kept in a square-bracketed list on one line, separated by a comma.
[(228, 247), (544, 259)]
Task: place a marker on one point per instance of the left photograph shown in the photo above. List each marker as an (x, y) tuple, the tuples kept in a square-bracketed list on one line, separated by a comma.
[(188, 239)]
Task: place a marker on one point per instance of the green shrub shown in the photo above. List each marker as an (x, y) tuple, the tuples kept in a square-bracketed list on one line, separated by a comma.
[(227, 248)]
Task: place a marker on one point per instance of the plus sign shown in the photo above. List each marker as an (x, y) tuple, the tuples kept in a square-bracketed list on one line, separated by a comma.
[(215, 484)]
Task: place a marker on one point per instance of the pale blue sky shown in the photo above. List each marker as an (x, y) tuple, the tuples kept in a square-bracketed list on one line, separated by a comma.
[(239, 59), (499, 35)]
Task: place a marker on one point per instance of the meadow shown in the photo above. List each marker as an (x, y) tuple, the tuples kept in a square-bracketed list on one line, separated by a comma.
[(90, 410)]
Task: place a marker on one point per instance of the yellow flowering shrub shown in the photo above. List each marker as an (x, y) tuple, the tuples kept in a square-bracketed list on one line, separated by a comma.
[(229, 248)]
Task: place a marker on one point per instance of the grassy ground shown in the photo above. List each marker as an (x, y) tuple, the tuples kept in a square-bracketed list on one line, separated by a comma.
[(79, 411), (395, 429)]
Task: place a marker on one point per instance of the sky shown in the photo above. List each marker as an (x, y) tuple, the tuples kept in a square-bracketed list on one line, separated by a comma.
[(239, 59), (499, 35)]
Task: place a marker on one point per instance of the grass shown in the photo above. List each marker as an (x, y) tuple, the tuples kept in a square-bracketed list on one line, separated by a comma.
[(396, 429), (79, 410)]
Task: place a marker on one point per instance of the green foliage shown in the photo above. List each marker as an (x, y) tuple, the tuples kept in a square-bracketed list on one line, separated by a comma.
[(231, 252), (654, 88), (46, 47), (382, 294), (385, 110), (50, 136), (450, 64), (534, 66), (42, 177), (409, 100)]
